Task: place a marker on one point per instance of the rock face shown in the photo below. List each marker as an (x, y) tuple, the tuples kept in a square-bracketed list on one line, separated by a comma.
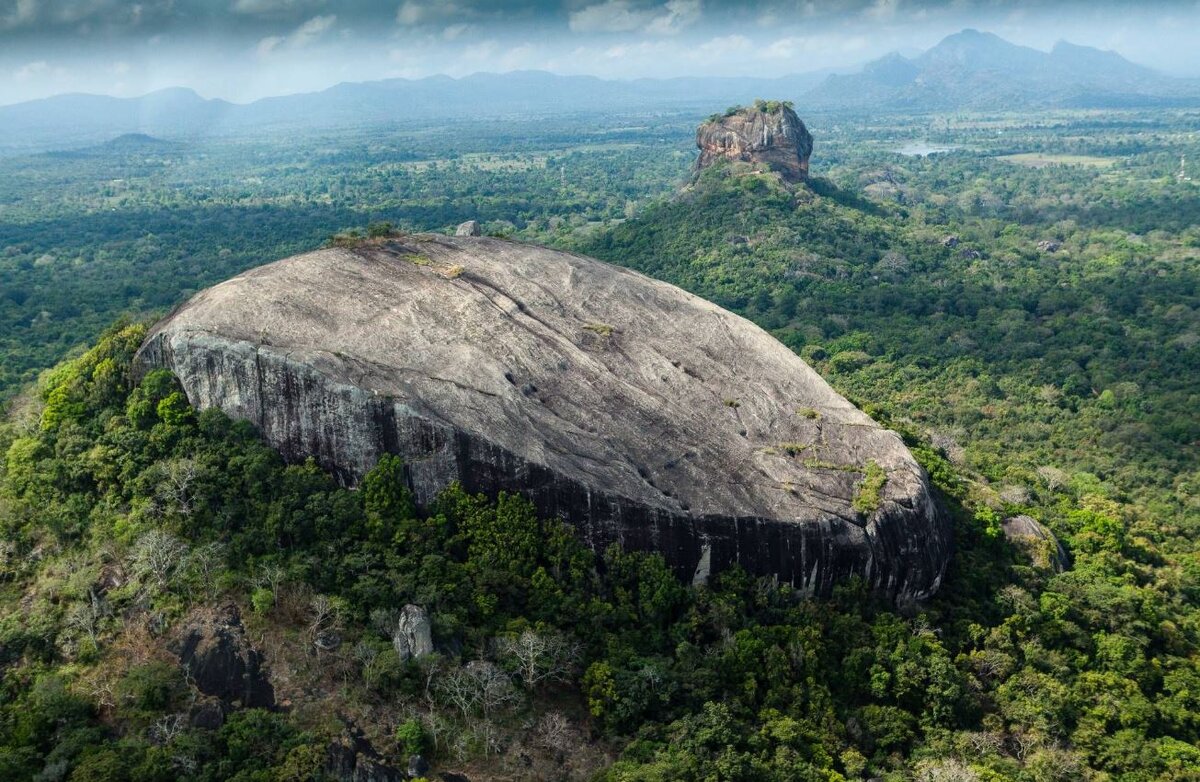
[(768, 133), (220, 660), (418, 767), (469, 228), (413, 636), (637, 412), (352, 759)]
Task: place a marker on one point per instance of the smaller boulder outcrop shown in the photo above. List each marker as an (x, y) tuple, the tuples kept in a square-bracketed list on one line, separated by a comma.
[(1030, 534), (469, 228), (413, 636), (418, 767), (767, 133), (207, 715), (351, 758), (220, 660)]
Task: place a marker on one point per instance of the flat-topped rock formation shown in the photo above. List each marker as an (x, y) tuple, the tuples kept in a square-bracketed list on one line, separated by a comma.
[(768, 133), (635, 411)]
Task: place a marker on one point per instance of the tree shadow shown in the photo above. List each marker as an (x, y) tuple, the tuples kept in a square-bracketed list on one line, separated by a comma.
[(847, 198)]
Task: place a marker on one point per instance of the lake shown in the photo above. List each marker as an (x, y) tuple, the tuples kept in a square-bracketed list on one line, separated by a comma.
[(923, 148)]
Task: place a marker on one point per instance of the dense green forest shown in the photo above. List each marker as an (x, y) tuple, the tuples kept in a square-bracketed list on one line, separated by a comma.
[(139, 224), (1024, 308)]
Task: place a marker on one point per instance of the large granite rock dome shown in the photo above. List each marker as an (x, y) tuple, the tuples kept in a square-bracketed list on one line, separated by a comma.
[(634, 410)]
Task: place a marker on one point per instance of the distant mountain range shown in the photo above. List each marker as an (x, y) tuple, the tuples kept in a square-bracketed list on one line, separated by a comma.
[(967, 70), (976, 70), (178, 113)]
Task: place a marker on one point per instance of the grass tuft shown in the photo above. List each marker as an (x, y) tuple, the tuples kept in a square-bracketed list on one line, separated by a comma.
[(869, 492), (603, 329)]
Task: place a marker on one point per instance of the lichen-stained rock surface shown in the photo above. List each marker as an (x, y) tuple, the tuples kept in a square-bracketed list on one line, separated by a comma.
[(220, 660), (768, 133), (413, 634), (639, 413)]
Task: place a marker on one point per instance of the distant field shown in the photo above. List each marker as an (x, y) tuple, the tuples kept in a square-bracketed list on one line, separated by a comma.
[(1041, 160), (481, 162), (516, 161)]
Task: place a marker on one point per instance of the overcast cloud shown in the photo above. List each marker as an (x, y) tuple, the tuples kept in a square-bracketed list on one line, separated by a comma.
[(245, 49)]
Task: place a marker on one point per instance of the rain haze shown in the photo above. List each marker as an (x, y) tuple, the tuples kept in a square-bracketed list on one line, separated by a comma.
[(242, 50)]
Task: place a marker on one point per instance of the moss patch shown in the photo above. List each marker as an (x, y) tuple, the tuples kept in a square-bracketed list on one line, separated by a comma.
[(869, 492), (603, 329)]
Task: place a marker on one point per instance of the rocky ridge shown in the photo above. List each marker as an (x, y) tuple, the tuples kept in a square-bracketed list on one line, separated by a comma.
[(637, 412)]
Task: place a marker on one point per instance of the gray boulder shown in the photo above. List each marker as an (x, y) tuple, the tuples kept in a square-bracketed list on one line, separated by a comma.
[(351, 758), (635, 411), (469, 228), (208, 714), (418, 767), (413, 637), (1043, 546)]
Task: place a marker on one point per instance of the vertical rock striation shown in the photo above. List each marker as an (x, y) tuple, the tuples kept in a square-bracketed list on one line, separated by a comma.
[(768, 133)]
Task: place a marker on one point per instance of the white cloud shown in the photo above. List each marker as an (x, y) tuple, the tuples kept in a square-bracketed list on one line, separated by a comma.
[(31, 70), (677, 15), (82, 10), (726, 45), (268, 45), (622, 16), (611, 16), (853, 44), (824, 46), (638, 52), (311, 30), (299, 38), (412, 13), (777, 15), (882, 10), (455, 31), (83, 15), (518, 57), (22, 13), (266, 6), (482, 51), (783, 49)]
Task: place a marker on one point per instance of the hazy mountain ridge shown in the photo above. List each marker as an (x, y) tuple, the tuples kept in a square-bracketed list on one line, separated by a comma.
[(967, 70), (977, 70), (79, 119)]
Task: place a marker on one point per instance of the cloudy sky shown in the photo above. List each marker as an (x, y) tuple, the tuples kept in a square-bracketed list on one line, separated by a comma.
[(245, 49)]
